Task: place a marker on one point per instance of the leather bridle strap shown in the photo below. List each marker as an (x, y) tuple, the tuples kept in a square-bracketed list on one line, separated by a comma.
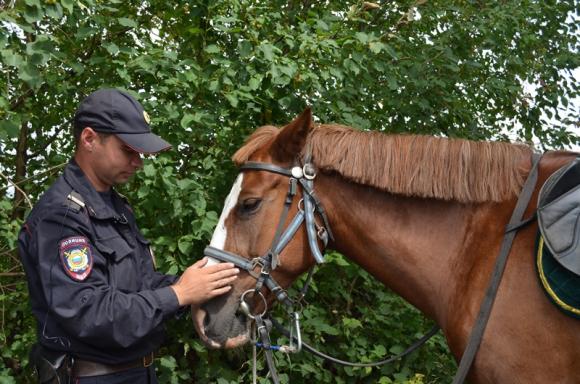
[(257, 166), (264, 335), (487, 303), (249, 266), (271, 258)]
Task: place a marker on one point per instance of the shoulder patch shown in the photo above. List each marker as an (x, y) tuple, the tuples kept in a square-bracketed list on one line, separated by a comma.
[(76, 257)]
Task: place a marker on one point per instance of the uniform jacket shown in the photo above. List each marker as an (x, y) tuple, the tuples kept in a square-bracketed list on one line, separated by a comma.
[(93, 287)]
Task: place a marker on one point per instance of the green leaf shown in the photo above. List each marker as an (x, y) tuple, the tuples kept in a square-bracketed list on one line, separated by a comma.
[(33, 14), (376, 46), (269, 51), (185, 184), (255, 83), (68, 5), (170, 54), (123, 74), (186, 120), (200, 206), (126, 22), (245, 48), (233, 99), (393, 84), (362, 37), (112, 48), (149, 170), (85, 32), (173, 270), (30, 75), (212, 48), (10, 58), (379, 350), (9, 128), (391, 51), (77, 67), (351, 323), (185, 244), (54, 11)]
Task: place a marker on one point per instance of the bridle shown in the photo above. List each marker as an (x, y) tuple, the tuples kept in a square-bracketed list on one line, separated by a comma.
[(305, 176), (311, 205)]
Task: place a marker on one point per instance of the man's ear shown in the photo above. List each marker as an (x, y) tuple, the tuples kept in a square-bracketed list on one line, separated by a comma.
[(88, 139), (291, 139)]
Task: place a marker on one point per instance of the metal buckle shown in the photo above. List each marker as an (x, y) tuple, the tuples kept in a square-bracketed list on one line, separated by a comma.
[(148, 360), (309, 171), (257, 261)]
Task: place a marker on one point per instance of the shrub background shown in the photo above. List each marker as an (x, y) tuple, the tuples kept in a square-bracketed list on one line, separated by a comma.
[(210, 72)]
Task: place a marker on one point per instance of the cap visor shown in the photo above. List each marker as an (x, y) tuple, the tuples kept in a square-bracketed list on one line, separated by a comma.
[(147, 143)]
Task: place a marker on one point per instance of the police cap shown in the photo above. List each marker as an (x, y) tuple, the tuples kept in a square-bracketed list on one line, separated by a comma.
[(116, 112)]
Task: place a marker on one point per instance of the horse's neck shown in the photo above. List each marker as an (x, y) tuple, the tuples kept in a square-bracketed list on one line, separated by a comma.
[(417, 247)]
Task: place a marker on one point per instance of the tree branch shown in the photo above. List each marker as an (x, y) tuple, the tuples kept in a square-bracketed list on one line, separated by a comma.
[(42, 173), (11, 274), (18, 188)]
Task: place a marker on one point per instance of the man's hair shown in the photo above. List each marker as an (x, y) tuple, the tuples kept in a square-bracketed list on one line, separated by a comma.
[(77, 130)]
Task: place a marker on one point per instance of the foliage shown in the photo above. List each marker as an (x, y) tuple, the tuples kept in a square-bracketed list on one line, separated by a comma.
[(209, 72)]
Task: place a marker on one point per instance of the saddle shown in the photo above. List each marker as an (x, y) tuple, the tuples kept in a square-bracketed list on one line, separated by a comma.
[(559, 216)]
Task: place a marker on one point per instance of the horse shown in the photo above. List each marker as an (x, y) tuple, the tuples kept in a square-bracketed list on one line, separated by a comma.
[(425, 216)]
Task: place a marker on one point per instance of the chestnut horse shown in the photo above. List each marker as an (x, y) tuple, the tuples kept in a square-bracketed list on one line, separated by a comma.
[(425, 216)]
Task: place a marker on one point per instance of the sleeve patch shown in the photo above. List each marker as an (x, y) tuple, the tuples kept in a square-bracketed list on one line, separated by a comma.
[(76, 257)]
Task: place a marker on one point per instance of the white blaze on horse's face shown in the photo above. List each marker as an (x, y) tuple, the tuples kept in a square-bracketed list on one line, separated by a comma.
[(218, 240)]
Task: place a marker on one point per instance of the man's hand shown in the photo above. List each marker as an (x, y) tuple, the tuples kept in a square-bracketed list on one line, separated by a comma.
[(198, 284)]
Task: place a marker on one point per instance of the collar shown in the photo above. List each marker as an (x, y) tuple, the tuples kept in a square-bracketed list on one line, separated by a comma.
[(76, 178)]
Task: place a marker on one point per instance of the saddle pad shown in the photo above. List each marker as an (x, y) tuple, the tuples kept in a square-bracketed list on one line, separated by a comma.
[(561, 286), (559, 215)]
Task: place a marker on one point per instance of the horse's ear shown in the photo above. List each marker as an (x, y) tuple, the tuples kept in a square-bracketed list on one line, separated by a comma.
[(291, 139)]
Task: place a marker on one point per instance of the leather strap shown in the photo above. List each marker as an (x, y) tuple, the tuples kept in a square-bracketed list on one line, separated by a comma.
[(85, 368), (487, 303), (257, 166), (263, 332)]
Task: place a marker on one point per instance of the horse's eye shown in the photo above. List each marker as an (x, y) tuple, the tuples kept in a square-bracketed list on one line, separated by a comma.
[(249, 206)]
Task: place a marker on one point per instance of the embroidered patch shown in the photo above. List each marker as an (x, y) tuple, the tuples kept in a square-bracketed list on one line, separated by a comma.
[(76, 257)]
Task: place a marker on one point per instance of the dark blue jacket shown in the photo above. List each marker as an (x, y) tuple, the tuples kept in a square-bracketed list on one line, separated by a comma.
[(112, 314)]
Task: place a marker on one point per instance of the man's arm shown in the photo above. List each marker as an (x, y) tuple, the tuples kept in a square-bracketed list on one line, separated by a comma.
[(87, 306)]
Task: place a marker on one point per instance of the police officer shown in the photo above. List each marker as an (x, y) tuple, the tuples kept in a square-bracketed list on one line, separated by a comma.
[(93, 286)]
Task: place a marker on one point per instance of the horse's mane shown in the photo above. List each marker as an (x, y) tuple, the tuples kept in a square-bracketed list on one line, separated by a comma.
[(412, 165)]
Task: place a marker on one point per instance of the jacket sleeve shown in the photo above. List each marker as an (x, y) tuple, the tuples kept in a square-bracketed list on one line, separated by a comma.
[(89, 307)]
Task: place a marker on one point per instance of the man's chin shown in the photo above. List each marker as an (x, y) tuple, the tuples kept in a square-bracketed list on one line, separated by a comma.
[(123, 178)]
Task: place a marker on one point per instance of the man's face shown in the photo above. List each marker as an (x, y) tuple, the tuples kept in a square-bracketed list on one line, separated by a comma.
[(114, 162)]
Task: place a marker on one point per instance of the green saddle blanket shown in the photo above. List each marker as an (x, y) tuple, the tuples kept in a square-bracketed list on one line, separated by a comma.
[(561, 286)]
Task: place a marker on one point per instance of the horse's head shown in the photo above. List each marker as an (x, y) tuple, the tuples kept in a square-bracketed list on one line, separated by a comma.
[(250, 221)]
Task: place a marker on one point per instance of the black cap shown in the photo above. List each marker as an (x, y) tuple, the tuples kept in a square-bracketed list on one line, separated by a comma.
[(117, 112)]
